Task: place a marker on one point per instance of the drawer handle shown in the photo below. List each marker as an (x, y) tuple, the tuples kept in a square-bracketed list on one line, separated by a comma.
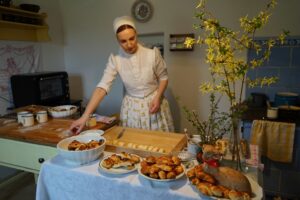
[(41, 160)]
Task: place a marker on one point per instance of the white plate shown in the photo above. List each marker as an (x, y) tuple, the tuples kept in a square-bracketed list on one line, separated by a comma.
[(119, 170), (161, 180), (93, 132)]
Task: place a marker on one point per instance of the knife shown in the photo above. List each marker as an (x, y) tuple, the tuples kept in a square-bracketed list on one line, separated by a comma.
[(120, 134)]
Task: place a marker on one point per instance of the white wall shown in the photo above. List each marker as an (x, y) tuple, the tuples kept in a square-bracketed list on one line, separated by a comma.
[(89, 40), (53, 51)]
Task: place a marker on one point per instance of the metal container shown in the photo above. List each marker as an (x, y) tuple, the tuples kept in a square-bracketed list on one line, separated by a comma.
[(286, 98)]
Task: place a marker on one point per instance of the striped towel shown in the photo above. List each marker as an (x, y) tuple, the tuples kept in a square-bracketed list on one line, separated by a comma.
[(275, 139)]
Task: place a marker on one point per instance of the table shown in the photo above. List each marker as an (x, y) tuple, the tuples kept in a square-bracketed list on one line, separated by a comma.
[(59, 179)]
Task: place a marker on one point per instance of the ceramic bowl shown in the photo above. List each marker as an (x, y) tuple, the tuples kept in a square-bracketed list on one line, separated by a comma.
[(62, 111), (83, 156)]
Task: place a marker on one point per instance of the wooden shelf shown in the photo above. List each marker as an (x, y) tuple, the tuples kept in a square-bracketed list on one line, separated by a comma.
[(17, 24), (177, 42)]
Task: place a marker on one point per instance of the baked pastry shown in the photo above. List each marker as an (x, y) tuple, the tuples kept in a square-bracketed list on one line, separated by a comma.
[(80, 146), (164, 167), (123, 159), (73, 145)]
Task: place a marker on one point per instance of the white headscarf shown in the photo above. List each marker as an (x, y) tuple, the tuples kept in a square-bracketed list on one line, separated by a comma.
[(120, 21)]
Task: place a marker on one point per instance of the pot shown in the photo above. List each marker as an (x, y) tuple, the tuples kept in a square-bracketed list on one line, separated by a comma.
[(286, 98)]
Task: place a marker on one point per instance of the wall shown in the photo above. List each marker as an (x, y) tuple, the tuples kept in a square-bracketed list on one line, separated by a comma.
[(53, 51), (89, 40)]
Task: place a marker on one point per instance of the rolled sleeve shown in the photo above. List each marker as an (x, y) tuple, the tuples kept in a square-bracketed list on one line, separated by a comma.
[(109, 74), (160, 66)]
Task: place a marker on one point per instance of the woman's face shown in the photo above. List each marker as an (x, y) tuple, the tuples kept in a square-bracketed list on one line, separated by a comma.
[(128, 40)]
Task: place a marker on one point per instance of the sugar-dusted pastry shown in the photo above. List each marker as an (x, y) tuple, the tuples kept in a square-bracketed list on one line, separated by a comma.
[(108, 163), (124, 160)]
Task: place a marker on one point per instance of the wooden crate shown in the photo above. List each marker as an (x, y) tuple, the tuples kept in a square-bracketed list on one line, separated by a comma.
[(144, 140)]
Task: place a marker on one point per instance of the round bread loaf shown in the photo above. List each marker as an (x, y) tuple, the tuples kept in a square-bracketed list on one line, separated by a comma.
[(230, 178)]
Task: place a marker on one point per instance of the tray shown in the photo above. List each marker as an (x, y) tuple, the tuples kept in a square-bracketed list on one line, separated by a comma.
[(143, 142)]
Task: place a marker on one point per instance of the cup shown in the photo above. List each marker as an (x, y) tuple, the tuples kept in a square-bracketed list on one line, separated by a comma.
[(193, 146), (20, 115), (42, 116), (27, 120), (92, 121), (272, 113)]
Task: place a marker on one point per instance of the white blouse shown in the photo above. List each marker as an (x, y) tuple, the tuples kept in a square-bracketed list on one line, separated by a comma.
[(140, 72)]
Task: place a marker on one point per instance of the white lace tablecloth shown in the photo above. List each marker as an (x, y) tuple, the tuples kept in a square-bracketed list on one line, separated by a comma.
[(59, 179)]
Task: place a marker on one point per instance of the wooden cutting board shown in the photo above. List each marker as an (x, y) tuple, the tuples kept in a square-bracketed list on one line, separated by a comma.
[(144, 142), (49, 133)]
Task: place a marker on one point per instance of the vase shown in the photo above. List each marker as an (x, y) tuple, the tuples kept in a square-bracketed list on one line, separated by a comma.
[(235, 145)]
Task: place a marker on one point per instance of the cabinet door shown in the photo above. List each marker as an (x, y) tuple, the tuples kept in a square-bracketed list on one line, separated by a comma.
[(23, 155)]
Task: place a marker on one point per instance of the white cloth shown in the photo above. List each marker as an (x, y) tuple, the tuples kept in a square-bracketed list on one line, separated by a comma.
[(60, 180), (135, 114), (120, 21), (140, 72)]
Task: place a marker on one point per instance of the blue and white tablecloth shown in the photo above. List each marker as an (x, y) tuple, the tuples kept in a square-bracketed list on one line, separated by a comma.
[(60, 180)]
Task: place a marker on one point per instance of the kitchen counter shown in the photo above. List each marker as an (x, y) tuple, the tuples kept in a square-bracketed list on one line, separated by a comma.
[(49, 133), (258, 113)]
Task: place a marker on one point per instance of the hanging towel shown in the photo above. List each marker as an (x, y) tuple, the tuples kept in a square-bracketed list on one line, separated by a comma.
[(275, 139)]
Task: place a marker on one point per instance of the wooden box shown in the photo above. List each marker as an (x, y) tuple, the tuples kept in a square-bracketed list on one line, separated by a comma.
[(143, 142)]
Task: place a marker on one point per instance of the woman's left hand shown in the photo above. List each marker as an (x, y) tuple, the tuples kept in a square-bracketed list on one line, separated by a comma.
[(155, 105)]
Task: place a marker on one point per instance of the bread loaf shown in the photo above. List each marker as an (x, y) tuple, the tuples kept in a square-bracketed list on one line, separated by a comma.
[(229, 178)]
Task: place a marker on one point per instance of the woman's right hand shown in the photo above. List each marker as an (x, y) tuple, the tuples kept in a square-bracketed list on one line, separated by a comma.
[(78, 125)]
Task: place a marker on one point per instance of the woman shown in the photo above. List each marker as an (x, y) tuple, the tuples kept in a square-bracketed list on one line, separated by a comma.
[(144, 75)]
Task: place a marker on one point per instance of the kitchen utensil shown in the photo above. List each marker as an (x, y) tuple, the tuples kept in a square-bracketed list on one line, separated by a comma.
[(62, 111), (272, 113), (42, 116), (120, 134), (27, 120)]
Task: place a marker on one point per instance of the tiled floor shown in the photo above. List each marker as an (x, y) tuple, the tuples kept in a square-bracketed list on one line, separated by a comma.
[(23, 189)]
